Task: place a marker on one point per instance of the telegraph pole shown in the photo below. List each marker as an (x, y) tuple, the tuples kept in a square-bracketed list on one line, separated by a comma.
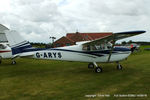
[(53, 38)]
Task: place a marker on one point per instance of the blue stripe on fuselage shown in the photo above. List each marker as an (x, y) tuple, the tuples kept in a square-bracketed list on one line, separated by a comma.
[(121, 49)]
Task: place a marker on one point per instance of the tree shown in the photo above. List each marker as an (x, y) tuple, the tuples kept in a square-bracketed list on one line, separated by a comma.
[(130, 42), (124, 43)]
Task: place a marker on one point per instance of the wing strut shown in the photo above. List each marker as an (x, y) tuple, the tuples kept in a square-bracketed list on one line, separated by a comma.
[(113, 44)]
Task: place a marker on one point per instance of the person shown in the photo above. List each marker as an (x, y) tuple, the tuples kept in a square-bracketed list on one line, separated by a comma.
[(132, 48)]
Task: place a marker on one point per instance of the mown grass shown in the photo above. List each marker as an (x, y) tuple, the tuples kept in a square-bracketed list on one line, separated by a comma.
[(32, 79)]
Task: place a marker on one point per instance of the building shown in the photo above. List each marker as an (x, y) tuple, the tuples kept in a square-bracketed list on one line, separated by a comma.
[(72, 38)]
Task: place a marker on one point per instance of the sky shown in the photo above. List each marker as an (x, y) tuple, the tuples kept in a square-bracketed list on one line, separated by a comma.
[(37, 20)]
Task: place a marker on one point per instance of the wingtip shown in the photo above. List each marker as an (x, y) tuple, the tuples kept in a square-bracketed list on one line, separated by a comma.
[(140, 31), (137, 31)]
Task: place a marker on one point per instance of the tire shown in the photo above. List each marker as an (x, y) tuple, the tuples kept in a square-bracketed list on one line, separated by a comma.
[(98, 70), (91, 66), (119, 67), (13, 62)]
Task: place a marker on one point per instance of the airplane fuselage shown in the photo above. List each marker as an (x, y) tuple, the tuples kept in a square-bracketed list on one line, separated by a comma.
[(66, 54), (73, 53)]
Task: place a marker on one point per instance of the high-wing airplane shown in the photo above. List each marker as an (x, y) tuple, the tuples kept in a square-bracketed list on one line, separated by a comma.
[(100, 50), (5, 50)]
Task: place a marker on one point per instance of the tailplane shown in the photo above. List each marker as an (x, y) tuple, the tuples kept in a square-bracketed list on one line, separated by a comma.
[(17, 43)]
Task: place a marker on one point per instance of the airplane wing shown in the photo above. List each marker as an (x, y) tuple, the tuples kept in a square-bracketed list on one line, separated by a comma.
[(122, 35), (114, 37)]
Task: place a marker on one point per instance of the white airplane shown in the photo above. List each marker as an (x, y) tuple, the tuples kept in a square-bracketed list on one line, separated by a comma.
[(5, 52), (100, 50)]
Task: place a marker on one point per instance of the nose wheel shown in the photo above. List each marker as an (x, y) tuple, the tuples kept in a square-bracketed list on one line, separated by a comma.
[(98, 70)]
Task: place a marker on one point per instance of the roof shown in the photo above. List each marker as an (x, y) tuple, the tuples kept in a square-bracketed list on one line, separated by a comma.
[(87, 36), (65, 39)]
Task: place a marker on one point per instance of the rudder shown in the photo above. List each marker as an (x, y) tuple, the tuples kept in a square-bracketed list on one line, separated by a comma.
[(17, 43)]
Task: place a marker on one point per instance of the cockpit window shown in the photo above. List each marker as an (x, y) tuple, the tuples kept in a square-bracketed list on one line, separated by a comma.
[(2, 46), (106, 46)]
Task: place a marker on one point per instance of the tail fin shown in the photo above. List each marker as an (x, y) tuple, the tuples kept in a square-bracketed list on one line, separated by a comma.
[(17, 43)]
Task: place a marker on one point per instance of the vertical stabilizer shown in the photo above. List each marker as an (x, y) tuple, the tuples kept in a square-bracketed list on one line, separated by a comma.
[(17, 43)]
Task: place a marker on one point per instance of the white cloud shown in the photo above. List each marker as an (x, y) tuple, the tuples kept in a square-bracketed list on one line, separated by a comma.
[(45, 18), (4, 6)]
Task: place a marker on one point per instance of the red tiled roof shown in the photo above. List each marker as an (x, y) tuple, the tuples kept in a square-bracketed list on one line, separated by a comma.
[(64, 39), (86, 36)]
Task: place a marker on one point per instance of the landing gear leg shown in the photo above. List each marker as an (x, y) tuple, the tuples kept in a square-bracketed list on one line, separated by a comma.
[(97, 69), (119, 66), (13, 62)]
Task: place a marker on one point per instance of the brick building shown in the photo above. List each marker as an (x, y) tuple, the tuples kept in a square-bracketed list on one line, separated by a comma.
[(72, 38)]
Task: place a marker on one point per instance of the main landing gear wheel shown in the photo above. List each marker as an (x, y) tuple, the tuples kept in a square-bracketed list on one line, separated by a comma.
[(119, 67), (98, 70), (13, 62), (91, 66)]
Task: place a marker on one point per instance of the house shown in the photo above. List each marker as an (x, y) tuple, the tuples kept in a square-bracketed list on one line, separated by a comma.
[(72, 38)]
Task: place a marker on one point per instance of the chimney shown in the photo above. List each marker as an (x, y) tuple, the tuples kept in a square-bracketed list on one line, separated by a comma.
[(77, 31)]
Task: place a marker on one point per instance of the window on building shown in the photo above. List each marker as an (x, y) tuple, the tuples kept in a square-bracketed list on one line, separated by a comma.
[(57, 45), (67, 44)]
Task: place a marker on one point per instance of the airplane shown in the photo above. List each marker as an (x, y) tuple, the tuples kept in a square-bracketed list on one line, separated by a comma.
[(101, 50), (5, 52)]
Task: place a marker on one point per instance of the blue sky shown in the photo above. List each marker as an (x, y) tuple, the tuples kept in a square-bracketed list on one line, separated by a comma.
[(37, 20)]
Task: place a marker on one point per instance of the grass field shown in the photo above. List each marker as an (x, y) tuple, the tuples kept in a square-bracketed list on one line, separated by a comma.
[(32, 79)]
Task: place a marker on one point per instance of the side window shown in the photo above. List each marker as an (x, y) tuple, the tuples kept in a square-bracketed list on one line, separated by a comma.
[(104, 46), (86, 48), (89, 48), (109, 45), (2, 46)]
